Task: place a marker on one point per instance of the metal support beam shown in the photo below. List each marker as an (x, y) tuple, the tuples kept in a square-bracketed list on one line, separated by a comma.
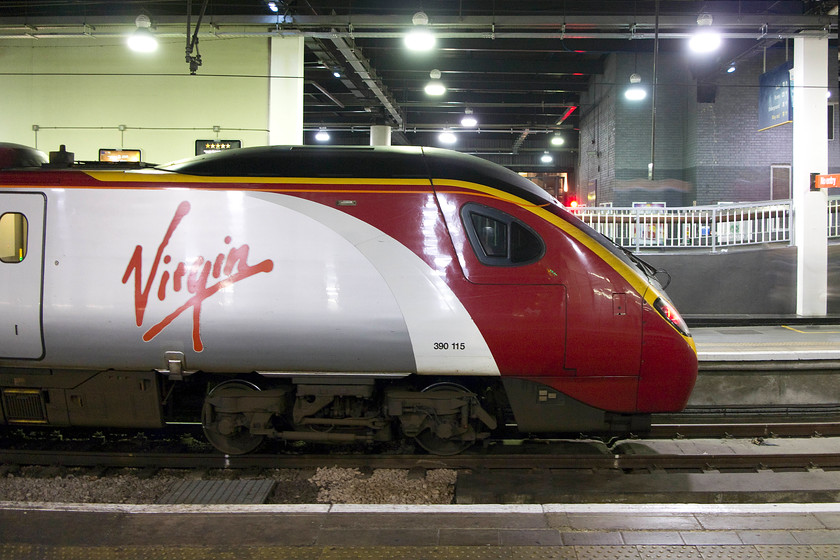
[(520, 139), (363, 68)]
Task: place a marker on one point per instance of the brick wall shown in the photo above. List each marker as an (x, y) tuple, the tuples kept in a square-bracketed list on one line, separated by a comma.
[(733, 157), (704, 152), (596, 164)]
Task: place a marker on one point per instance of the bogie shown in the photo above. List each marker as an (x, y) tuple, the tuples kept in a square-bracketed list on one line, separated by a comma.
[(444, 418)]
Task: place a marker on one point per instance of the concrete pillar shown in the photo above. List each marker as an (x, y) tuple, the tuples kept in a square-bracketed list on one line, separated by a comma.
[(810, 155), (380, 135), (285, 95)]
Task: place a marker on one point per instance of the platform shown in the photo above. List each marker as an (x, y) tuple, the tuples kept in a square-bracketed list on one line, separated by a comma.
[(767, 366), (777, 531), (767, 343)]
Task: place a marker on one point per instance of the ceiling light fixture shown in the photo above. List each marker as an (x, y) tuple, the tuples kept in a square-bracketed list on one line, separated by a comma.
[(731, 69), (468, 120), (706, 39), (322, 135), (435, 86), (273, 7), (546, 158), (446, 137), (420, 38), (557, 140), (142, 40), (635, 92)]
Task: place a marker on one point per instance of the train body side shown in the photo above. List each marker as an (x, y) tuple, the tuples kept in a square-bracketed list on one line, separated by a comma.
[(362, 278), (236, 280)]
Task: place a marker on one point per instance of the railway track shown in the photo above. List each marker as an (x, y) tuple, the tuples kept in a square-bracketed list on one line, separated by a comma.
[(700, 422), (506, 461), (577, 455), (182, 447), (522, 460)]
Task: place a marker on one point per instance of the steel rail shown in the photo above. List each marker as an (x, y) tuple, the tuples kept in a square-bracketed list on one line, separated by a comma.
[(744, 430), (576, 461)]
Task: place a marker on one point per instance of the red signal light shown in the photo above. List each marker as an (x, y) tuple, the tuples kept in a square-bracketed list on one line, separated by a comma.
[(573, 204)]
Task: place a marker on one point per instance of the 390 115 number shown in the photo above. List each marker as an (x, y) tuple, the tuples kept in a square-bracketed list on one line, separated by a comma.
[(450, 345)]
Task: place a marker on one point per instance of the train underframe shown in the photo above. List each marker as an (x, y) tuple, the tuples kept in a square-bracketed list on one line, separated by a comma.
[(443, 415)]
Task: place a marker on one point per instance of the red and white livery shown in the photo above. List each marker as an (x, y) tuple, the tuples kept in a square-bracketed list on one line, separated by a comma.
[(328, 294)]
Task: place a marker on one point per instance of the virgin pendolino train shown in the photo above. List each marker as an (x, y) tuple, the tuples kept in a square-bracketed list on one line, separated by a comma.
[(323, 294)]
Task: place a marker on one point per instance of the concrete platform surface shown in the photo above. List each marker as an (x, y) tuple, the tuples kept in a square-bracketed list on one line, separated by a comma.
[(767, 343), (558, 531)]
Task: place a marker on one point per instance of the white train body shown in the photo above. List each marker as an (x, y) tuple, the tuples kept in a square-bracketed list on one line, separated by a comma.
[(234, 281)]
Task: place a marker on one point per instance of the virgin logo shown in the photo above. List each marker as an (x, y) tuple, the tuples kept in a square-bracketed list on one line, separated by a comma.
[(202, 277)]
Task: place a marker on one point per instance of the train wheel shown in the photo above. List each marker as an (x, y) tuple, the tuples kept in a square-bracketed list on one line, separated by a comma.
[(430, 440), (228, 431)]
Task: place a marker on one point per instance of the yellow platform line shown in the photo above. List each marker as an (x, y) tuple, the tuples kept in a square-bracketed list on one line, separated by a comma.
[(807, 332)]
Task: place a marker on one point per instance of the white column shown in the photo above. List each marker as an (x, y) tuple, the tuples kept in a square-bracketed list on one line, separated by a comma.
[(810, 155), (285, 95), (380, 135)]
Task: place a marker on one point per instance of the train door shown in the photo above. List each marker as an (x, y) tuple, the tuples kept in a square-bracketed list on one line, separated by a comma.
[(517, 300), (21, 274)]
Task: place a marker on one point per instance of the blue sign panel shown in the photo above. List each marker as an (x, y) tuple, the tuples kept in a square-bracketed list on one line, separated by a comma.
[(774, 97)]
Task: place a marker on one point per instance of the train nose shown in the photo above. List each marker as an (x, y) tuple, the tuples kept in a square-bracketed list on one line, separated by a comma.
[(669, 359)]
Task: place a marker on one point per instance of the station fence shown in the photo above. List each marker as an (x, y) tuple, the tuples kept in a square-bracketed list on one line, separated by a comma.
[(710, 227)]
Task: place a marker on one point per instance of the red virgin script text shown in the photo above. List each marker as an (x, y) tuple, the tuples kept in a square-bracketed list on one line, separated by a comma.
[(198, 275)]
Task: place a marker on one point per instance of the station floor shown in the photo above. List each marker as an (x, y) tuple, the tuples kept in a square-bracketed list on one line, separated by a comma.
[(767, 343), (608, 531)]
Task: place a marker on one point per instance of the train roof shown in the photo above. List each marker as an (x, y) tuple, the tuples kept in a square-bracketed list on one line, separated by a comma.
[(19, 156), (371, 162), (334, 162)]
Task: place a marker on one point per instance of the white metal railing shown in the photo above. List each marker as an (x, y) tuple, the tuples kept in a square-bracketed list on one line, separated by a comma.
[(834, 216), (711, 227)]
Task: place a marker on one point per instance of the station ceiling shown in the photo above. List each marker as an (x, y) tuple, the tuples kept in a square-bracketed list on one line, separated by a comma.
[(518, 65)]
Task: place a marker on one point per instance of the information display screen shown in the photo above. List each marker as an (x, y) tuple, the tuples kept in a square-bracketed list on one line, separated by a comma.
[(117, 155), (212, 146)]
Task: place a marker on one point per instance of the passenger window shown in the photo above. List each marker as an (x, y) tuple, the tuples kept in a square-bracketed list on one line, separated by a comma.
[(13, 236), (499, 239)]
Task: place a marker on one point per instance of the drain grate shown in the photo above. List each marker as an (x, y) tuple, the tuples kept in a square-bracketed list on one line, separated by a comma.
[(219, 492)]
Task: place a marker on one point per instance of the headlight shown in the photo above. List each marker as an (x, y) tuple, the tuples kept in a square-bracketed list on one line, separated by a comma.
[(670, 314)]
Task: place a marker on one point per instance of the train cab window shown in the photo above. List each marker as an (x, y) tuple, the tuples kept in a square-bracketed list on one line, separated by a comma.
[(13, 236), (492, 235), (499, 239)]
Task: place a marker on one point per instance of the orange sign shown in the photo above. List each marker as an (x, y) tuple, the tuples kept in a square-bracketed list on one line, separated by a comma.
[(828, 181)]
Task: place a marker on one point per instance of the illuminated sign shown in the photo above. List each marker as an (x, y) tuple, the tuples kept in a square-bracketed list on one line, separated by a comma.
[(213, 146), (116, 155), (827, 181)]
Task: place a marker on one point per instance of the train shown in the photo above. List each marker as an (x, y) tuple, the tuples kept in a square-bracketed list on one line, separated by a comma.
[(323, 294)]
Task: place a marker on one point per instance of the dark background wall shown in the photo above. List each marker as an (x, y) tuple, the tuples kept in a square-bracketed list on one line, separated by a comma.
[(732, 157), (708, 148), (757, 281)]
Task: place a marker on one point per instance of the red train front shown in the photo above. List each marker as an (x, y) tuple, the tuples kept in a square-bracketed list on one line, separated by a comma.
[(585, 337)]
